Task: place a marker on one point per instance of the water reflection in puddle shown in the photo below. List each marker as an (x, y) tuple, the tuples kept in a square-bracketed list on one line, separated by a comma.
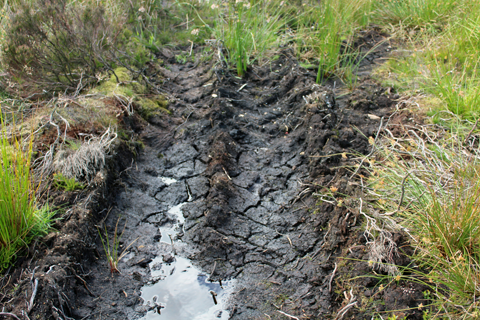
[(185, 293), (179, 290), (169, 231)]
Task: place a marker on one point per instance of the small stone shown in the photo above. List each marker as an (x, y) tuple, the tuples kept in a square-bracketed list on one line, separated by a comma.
[(168, 258), (137, 276)]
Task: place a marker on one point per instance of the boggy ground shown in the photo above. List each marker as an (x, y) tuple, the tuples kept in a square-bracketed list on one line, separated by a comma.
[(248, 157)]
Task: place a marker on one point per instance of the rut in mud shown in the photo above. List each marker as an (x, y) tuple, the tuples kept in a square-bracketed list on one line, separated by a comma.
[(245, 157), (241, 161)]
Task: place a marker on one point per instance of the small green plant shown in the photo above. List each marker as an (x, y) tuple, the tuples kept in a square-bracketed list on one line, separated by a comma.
[(67, 184), (21, 220), (181, 58), (111, 249)]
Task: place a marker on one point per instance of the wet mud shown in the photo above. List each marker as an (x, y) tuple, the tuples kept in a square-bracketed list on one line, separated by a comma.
[(227, 186)]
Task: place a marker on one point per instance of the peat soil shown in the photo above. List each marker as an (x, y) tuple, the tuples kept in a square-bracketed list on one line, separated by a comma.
[(230, 181)]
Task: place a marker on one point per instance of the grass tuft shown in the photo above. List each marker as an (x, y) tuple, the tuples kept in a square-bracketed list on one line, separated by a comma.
[(67, 184), (427, 183), (112, 249), (21, 220), (248, 30)]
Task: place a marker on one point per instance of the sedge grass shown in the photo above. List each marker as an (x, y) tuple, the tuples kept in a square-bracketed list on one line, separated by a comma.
[(248, 30), (112, 249), (21, 220), (428, 183), (325, 30), (443, 64)]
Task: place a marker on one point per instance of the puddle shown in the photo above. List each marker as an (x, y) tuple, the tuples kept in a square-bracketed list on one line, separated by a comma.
[(184, 293), (178, 290)]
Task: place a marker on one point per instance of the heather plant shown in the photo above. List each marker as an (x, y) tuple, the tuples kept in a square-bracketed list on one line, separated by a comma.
[(57, 46)]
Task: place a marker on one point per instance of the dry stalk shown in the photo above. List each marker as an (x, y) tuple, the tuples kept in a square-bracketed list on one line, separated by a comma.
[(331, 278), (288, 315), (350, 304), (382, 247), (84, 163)]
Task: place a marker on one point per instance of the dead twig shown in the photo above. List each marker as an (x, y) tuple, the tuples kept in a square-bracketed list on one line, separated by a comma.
[(175, 130), (351, 302), (213, 269), (331, 278), (288, 315), (85, 284), (345, 309), (226, 173), (9, 314), (34, 291), (401, 197), (471, 131), (288, 238)]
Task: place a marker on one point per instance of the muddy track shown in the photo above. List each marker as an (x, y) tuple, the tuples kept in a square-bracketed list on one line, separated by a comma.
[(245, 157)]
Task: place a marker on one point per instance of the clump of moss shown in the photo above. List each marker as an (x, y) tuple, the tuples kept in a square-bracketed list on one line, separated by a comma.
[(120, 83), (150, 107)]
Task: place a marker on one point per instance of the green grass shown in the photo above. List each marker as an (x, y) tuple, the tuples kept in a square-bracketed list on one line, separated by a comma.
[(247, 30), (429, 186), (21, 219), (321, 34), (416, 13), (68, 184), (325, 28), (112, 249), (442, 63)]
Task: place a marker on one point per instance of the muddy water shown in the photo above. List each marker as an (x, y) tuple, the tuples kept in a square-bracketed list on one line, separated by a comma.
[(185, 293), (177, 289)]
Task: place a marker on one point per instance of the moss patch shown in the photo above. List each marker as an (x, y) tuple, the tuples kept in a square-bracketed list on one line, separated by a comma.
[(120, 83), (150, 107)]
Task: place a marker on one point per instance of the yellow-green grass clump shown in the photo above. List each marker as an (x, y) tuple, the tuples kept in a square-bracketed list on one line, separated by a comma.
[(21, 219)]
